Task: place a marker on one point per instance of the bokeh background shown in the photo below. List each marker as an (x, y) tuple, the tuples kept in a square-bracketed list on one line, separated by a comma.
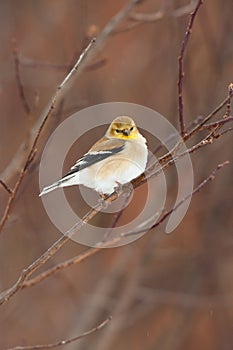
[(164, 292)]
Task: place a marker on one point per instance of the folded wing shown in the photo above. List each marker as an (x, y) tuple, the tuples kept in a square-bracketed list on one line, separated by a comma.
[(103, 149)]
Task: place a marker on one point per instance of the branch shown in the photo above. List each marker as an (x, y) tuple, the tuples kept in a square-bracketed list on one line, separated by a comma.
[(63, 342), (45, 118), (219, 122), (19, 81), (230, 92), (9, 293), (83, 256), (166, 161), (209, 116), (61, 266), (194, 123), (7, 188), (29, 63), (18, 161), (223, 132), (143, 18), (211, 177), (226, 117), (169, 158), (73, 261), (181, 69), (152, 17)]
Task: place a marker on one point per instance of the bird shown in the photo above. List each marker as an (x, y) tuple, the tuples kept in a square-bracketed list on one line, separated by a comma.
[(116, 159)]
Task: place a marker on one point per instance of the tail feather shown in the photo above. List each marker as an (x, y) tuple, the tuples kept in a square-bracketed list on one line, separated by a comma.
[(68, 180), (50, 188)]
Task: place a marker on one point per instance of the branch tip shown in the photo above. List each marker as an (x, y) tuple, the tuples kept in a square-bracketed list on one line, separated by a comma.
[(7, 188), (181, 68)]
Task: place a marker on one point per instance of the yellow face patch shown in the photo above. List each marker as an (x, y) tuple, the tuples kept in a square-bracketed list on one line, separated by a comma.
[(124, 133)]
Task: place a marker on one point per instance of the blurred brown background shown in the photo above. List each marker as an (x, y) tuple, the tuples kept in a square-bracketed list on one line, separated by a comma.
[(164, 292)]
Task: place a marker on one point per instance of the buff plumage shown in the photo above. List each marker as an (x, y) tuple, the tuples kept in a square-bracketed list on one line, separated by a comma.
[(117, 158)]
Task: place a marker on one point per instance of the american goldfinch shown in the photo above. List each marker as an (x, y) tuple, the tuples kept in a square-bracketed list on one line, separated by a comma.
[(117, 158)]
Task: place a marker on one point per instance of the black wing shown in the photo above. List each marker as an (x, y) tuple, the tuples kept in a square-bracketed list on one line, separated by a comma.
[(91, 158)]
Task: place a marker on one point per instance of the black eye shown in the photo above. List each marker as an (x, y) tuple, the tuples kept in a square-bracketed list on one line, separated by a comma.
[(131, 129), (118, 131)]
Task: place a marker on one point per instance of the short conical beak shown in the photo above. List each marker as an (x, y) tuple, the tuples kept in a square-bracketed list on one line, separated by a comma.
[(126, 132)]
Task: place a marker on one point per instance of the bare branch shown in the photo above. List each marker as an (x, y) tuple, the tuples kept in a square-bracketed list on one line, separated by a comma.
[(143, 18), (223, 132), (226, 117), (18, 160), (19, 81), (166, 161), (181, 68), (83, 256), (9, 293), (219, 122), (194, 123), (45, 118), (169, 158), (61, 266), (26, 280), (63, 342), (230, 92), (208, 117), (162, 13), (77, 259), (29, 63), (7, 188), (169, 212)]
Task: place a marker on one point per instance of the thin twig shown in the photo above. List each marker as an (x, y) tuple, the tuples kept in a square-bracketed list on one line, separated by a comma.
[(195, 122), (152, 17), (7, 188), (47, 115), (223, 132), (181, 68), (219, 122), (19, 81), (208, 117), (73, 261), (63, 342), (144, 18), (171, 159), (61, 266), (9, 293), (169, 212), (172, 156), (230, 92), (29, 63), (216, 132)]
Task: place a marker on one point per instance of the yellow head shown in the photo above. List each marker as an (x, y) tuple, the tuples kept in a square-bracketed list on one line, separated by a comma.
[(123, 128)]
